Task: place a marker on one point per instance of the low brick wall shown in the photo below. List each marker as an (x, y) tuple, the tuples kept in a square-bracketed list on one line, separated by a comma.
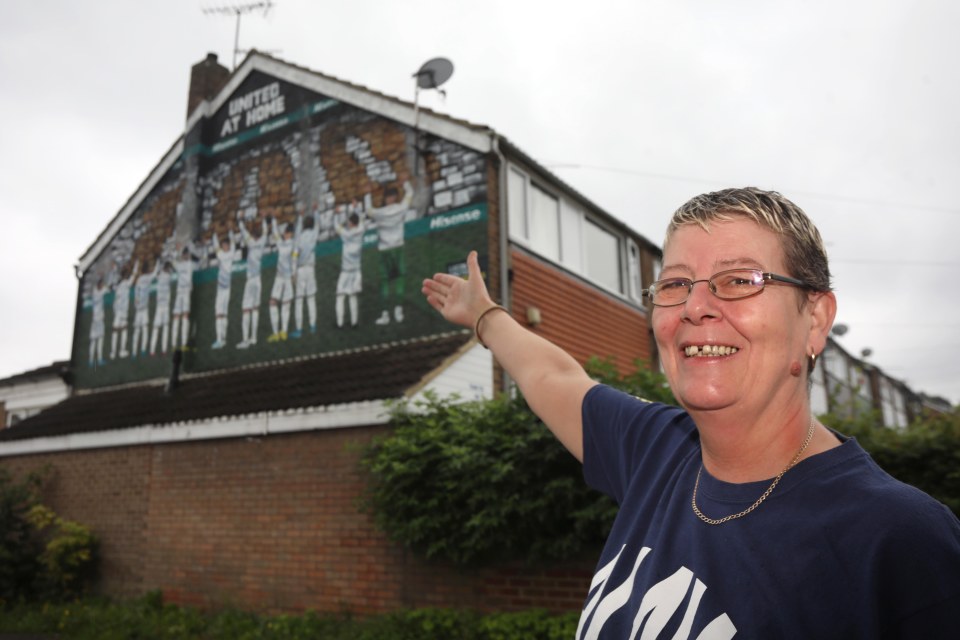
[(268, 524)]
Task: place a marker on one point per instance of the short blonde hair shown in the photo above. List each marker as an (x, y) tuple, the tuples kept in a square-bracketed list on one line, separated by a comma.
[(804, 254)]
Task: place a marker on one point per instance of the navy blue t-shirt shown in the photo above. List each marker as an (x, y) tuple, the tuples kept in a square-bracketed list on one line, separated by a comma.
[(840, 549)]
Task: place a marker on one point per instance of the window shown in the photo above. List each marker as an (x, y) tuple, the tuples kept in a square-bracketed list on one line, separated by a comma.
[(894, 414), (634, 279), (834, 366), (517, 202), (570, 232), (819, 397), (562, 232), (602, 255), (543, 223)]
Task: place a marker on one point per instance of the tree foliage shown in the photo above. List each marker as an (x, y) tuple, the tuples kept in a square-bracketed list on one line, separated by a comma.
[(481, 481), (487, 481), (925, 454), (42, 556), (150, 617)]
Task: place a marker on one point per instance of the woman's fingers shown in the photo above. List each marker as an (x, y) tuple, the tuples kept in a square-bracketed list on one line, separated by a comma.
[(457, 299)]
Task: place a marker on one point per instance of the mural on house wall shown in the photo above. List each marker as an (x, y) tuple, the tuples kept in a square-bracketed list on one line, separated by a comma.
[(292, 224)]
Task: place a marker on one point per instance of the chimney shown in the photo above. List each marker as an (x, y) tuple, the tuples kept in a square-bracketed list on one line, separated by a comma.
[(207, 77)]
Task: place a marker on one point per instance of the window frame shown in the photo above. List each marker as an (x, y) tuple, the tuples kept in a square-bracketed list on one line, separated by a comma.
[(571, 221)]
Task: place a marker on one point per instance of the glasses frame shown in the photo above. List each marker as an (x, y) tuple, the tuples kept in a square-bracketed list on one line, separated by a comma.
[(766, 277)]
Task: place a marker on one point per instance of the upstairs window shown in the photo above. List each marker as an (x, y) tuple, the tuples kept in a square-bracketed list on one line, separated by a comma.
[(563, 233), (543, 223), (601, 256)]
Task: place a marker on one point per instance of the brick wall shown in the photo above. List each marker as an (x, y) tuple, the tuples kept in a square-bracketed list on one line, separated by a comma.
[(579, 318), (107, 490), (269, 524)]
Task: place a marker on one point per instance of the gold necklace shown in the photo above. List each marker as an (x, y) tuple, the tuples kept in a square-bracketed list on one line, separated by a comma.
[(766, 493)]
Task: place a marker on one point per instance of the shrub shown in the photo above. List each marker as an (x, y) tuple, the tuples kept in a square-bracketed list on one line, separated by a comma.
[(487, 481), (925, 454), (479, 482), (68, 557), (20, 549), (42, 556), (148, 617)]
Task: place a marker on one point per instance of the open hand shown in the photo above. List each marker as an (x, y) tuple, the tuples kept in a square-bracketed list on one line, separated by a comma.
[(459, 301)]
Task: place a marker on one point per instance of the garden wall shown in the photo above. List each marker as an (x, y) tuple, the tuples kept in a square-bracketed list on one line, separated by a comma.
[(269, 524)]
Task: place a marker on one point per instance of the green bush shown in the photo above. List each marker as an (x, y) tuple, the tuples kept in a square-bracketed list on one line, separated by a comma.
[(150, 618), (42, 556), (642, 382), (479, 482), (925, 454), (69, 555), (486, 481), (20, 548)]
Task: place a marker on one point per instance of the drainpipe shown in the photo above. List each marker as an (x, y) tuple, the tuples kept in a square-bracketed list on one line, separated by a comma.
[(74, 357), (504, 234), (174, 381)]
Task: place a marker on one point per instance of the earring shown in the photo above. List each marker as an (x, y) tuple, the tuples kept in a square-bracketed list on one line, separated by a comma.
[(813, 359)]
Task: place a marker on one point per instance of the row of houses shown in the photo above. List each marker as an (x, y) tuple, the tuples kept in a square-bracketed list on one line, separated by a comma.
[(842, 384), (245, 320)]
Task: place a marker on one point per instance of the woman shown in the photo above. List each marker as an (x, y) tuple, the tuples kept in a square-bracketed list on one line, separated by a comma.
[(740, 514)]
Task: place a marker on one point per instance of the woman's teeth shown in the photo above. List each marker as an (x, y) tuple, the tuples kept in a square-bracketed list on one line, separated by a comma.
[(708, 350)]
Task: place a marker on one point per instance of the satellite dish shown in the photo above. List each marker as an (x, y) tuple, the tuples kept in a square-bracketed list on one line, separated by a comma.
[(839, 329), (434, 73), (431, 75)]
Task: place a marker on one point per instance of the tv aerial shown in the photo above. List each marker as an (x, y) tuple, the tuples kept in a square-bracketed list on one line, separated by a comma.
[(238, 10)]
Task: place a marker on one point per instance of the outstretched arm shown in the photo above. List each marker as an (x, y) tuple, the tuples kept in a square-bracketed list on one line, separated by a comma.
[(552, 382)]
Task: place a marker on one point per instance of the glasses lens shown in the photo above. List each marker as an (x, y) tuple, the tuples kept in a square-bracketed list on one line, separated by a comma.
[(738, 283), (672, 291)]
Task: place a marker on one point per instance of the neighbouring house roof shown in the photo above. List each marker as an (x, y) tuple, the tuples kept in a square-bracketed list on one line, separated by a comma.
[(383, 372), (57, 369)]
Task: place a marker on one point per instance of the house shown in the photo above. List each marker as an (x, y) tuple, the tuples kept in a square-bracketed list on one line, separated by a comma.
[(247, 317), (26, 394)]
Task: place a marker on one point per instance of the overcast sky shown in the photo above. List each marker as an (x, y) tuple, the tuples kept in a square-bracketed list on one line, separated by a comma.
[(851, 109)]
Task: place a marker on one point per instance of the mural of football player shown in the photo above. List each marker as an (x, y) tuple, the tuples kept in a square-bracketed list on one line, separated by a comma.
[(282, 293), (97, 325), (121, 311), (350, 281), (256, 244), (325, 221), (141, 309), (184, 266), (226, 254), (390, 220), (161, 314), (306, 234)]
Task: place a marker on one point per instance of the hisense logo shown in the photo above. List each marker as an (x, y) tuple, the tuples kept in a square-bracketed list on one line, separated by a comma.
[(441, 222)]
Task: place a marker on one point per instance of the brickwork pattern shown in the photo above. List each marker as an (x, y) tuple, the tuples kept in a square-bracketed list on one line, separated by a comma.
[(107, 490), (577, 317), (270, 524)]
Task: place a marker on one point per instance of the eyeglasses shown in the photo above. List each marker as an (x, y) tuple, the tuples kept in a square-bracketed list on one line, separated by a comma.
[(733, 284)]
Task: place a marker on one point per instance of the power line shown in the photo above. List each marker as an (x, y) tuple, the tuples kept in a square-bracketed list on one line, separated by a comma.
[(812, 194), (899, 263)]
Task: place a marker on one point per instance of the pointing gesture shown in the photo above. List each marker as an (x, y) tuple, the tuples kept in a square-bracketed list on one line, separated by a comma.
[(459, 301)]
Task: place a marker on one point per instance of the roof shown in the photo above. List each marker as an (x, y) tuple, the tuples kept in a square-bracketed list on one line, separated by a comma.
[(383, 372), (469, 134), (477, 136), (57, 369)]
